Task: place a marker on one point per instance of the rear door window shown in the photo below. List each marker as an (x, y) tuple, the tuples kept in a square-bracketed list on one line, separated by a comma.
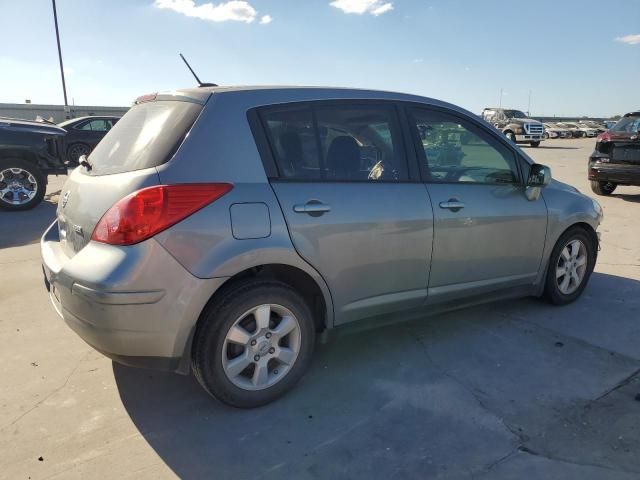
[(146, 136), (337, 142)]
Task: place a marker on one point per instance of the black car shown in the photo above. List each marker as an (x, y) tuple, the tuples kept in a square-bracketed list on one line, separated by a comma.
[(616, 158), (83, 134), (29, 151)]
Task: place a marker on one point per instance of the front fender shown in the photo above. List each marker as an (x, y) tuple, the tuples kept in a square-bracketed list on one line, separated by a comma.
[(566, 207)]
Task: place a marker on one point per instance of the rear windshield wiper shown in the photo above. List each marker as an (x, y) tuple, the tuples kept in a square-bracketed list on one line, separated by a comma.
[(85, 163)]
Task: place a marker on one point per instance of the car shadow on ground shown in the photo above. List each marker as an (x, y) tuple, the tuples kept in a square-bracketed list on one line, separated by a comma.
[(385, 390), (26, 227), (627, 198)]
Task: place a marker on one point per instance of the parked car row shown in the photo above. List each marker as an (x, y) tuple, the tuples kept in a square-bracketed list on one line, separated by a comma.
[(32, 150), (573, 129)]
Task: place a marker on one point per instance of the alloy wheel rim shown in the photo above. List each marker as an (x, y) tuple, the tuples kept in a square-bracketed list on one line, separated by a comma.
[(17, 186), (77, 151), (261, 347), (571, 266)]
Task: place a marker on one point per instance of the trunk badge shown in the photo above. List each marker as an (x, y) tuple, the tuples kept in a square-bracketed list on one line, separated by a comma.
[(65, 198)]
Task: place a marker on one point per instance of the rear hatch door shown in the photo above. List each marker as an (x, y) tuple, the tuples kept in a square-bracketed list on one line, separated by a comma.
[(148, 135), (625, 143)]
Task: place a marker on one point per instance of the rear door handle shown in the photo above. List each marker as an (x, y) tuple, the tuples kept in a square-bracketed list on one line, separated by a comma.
[(315, 208), (453, 204)]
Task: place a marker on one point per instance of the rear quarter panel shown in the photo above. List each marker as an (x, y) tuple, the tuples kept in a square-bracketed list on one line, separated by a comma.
[(220, 148)]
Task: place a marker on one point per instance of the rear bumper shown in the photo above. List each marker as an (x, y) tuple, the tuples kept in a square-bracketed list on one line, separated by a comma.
[(136, 304), (614, 172)]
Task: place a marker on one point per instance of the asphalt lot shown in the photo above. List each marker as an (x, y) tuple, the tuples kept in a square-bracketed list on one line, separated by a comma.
[(517, 389)]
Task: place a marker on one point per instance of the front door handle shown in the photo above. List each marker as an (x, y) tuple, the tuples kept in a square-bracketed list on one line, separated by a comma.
[(453, 204), (315, 208)]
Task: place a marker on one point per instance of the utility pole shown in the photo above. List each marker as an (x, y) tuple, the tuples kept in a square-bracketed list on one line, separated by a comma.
[(64, 86), (529, 105), (500, 99)]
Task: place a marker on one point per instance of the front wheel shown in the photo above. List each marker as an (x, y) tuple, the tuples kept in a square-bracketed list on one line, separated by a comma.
[(570, 266), (603, 188), (254, 343), (22, 184), (535, 144)]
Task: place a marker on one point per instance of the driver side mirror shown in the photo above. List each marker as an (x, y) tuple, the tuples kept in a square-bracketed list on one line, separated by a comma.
[(539, 176)]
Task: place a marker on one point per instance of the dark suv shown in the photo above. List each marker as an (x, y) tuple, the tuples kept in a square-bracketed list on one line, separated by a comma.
[(616, 158), (29, 151)]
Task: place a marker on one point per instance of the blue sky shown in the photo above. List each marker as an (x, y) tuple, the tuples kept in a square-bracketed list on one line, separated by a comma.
[(576, 57)]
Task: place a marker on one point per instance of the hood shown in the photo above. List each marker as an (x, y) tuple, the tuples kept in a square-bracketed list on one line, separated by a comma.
[(19, 125), (522, 121)]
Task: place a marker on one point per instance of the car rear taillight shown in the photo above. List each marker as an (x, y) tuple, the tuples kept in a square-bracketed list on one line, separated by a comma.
[(149, 211), (604, 137)]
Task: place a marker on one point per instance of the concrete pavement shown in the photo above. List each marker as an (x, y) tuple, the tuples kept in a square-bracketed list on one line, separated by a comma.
[(516, 389)]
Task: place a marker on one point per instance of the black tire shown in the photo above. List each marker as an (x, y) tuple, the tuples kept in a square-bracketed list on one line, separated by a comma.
[(76, 150), (603, 188), (510, 135), (217, 319), (552, 291), (31, 169), (546, 136), (535, 144)]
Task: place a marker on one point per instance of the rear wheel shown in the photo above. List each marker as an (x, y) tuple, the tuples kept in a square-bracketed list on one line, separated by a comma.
[(76, 150), (22, 184), (570, 266), (535, 144), (603, 188), (254, 343)]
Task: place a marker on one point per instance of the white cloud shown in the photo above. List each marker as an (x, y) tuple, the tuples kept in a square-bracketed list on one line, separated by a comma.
[(629, 39), (374, 7), (234, 10), (265, 19)]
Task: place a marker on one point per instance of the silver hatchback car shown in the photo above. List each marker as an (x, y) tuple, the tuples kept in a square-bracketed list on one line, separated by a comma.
[(222, 230)]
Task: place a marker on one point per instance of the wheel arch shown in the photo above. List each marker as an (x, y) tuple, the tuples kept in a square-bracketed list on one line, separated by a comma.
[(310, 286), (587, 227)]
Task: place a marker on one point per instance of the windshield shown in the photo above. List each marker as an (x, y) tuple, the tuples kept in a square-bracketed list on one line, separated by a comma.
[(514, 114), (146, 136), (627, 125)]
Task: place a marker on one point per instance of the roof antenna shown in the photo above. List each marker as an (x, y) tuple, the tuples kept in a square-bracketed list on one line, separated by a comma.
[(200, 84)]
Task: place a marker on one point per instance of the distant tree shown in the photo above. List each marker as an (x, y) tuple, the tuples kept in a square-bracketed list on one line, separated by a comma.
[(615, 117)]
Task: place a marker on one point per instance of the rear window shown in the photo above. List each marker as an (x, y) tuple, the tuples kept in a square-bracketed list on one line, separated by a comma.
[(629, 124), (146, 136)]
